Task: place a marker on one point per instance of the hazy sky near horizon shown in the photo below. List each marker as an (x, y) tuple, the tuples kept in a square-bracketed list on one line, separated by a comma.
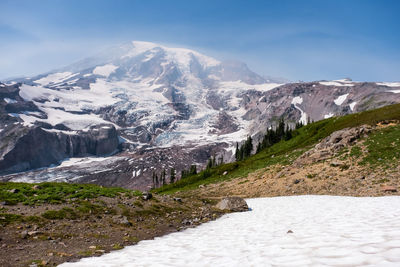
[(298, 40)]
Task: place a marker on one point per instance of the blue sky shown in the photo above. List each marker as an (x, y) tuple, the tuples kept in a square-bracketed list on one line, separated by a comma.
[(298, 40)]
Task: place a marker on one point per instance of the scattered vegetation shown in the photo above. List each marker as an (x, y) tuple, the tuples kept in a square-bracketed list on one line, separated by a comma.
[(64, 213), (356, 152), (55, 193), (383, 148)]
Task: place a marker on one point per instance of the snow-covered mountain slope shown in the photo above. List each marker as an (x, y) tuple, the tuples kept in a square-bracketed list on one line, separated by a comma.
[(162, 100), (153, 94)]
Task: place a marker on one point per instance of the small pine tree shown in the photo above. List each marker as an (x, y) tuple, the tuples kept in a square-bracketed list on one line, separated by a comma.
[(193, 170), (157, 181), (163, 175), (288, 133), (221, 160), (214, 161), (237, 152), (172, 176)]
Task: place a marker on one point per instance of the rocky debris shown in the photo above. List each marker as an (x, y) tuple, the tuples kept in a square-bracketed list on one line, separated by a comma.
[(178, 199), (36, 187), (32, 233), (296, 181), (13, 191), (120, 219), (330, 145), (187, 222), (147, 195), (388, 188), (290, 232), (24, 234), (336, 163), (235, 204)]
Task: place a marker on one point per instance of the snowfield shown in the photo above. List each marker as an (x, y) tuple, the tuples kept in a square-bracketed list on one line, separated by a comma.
[(327, 231)]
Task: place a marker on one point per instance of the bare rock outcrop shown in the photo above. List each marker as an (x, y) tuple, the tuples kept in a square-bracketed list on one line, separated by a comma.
[(235, 204), (332, 144)]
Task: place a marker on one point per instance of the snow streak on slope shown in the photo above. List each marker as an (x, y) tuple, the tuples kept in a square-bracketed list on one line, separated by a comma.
[(297, 101), (327, 231), (337, 83), (338, 101), (352, 105), (55, 78), (390, 84)]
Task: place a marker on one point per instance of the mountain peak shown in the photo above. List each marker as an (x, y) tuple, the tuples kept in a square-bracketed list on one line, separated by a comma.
[(182, 56)]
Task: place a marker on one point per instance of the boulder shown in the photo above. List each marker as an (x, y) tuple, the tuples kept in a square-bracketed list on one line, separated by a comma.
[(234, 204), (24, 234), (146, 195), (123, 220)]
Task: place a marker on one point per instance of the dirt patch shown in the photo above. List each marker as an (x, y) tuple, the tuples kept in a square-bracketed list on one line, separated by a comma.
[(50, 234)]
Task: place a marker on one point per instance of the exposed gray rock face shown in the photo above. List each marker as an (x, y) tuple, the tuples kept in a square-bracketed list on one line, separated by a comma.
[(32, 148), (332, 144), (235, 204)]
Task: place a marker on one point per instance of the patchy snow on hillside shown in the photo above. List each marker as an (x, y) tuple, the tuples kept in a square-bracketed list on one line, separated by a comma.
[(339, 101), (336, 83), (297, 101), (236, 86), (394, 91), (327, 116), (326, 231), (105, 70), (10, 101), (393, 84)]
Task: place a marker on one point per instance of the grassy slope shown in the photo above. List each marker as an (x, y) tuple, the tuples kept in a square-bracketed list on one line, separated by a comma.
[(55, 193), (286, 151)]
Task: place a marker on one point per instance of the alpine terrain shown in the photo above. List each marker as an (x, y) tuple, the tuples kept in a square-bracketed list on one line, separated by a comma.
[(129, 113)]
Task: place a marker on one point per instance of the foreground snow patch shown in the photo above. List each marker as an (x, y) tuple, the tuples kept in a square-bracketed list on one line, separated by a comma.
[(327, 231)]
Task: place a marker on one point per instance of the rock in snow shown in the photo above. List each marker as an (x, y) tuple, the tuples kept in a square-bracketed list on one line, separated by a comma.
[(232, 204)]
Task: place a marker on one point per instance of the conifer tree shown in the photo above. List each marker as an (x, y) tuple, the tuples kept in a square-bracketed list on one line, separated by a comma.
[(237, 152), (193, 170), (157, 181), (163, 174), (172, 176)]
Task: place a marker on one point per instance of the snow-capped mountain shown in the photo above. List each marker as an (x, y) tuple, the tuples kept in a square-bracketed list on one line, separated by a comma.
[(166, 107), (153, 94)]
